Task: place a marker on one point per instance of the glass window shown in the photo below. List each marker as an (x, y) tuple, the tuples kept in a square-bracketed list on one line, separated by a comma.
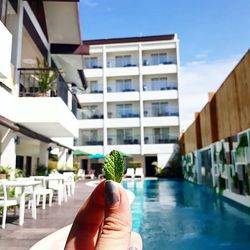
[(91, 62), (158, 58), (93, 86), (123, 110), (121, 61), (159, 83), (123, 85)]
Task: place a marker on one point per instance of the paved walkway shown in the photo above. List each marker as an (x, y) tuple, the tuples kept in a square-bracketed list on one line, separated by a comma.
[(15, 237)]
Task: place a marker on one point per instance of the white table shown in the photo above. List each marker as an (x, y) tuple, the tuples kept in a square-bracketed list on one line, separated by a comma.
[(23, 184)]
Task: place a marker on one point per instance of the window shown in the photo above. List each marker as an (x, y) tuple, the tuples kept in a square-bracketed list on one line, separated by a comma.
[(93, 86), (93, 135), (158, 58), (122, 61), (123, 110), (91, 62), (123, 85), (159, 109), (161, 135), (124, 135), (159, 83), (90, 111)]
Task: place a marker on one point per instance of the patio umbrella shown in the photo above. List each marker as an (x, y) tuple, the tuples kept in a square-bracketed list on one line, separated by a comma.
[(124, 154), (79, 152), (96, 156)]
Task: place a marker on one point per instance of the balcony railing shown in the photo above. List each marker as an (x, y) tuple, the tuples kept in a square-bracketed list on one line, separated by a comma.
[(34, 83), (124, 114), (87, 114), (97, 64), (159, 139), (116, 88), (98, 89), (168, 85), (88, 141), (121, 64), (156, 113), (118, 140), (148, 61)]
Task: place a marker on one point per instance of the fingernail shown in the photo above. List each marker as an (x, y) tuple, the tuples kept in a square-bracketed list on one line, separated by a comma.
[(133, 248), (111, 194)]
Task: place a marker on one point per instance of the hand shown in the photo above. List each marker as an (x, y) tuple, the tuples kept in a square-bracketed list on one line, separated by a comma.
[(104, 221)]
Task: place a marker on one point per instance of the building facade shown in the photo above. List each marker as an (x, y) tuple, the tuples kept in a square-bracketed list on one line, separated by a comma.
[(131, 102), (37, 120)]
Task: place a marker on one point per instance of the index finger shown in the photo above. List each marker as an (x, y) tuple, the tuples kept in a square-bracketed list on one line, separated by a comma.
[(87, 221)]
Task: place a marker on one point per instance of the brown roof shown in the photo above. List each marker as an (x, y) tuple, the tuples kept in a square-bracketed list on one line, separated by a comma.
[(129, 39)]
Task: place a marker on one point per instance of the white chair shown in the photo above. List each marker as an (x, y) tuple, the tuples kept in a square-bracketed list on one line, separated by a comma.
[(139, 173), (69, 182), (130, 173), (41, 190), (57, 185), (5, 202), (28, 192), (81, 174)]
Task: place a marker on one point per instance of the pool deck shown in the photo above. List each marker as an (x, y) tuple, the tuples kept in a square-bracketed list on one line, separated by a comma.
[(15, 237)]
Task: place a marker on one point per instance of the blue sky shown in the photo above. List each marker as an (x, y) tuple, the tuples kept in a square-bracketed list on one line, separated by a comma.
[(214, 35)]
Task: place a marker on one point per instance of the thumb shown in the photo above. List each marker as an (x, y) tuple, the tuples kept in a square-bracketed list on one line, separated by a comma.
[(116, 230)]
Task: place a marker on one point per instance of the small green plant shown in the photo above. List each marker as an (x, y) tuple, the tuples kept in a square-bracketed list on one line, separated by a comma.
[(4, 170), (41, 170), (46, 77), (114, 166)]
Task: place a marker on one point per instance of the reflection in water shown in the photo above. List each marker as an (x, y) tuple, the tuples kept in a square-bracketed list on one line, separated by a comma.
[(180, 215)]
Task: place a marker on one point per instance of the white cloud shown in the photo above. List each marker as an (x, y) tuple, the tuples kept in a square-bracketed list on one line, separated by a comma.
[(89, 3), (196, 80), (202, 55)]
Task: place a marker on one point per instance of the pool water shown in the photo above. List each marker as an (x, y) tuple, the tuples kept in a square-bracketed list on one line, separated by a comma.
[(179, 215)]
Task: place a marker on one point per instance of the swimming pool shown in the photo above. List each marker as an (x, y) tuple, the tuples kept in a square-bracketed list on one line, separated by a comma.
[(179, 215)]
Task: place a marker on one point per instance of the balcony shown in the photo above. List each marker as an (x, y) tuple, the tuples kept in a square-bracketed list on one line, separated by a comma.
[(94, 64), (115, 88), (134, 113), (111, 63), (159, 139), (161, 86), (88, 114), (97, 89), (45, 108), (37, 82), (88, 141), (122, 68), (118, 140), (148, 61), (93, 67), (154, 113)]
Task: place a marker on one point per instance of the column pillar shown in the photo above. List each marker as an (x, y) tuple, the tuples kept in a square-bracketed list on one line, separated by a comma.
[(44, 154)]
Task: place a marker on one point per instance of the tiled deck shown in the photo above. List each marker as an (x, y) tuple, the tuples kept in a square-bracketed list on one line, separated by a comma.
[(15, 237)]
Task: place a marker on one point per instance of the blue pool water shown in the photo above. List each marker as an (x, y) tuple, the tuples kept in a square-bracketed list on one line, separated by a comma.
[(176, 215)]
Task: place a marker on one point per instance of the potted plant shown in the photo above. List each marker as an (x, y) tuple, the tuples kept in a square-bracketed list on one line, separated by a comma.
[(4, 171), (46, 77)]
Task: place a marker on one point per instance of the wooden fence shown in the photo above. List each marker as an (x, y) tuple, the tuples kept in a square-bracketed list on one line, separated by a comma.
[(226, 114)]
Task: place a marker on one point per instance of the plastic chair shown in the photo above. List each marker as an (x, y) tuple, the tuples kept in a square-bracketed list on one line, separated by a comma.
[(139, 173), (69, 182), (5, 202), (41, 190), (130, 173), (58, 186)]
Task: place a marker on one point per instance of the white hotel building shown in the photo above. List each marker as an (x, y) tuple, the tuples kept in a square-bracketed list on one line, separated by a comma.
[(34, 126), (131, 103)]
